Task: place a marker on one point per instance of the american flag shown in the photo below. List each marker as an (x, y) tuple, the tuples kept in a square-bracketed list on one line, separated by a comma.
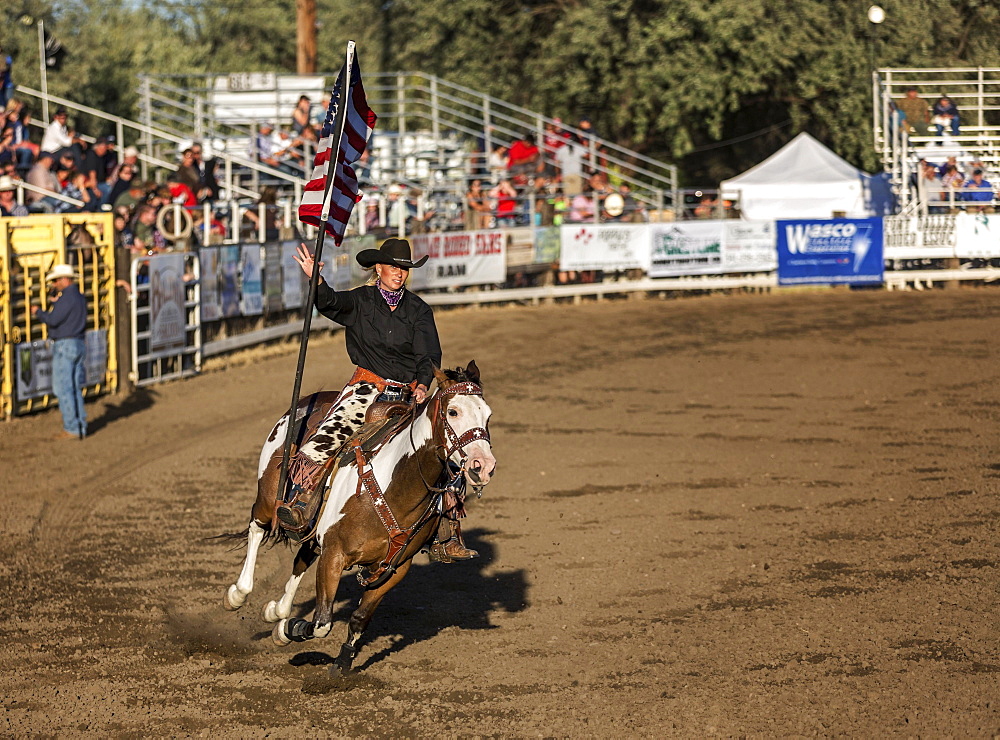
[(357, 130)]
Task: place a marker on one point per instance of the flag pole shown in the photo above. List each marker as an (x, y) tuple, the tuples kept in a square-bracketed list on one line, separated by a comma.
[(291, 430)]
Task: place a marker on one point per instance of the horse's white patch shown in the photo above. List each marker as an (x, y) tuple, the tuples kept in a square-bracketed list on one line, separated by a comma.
[(345, 482), (274, 442)]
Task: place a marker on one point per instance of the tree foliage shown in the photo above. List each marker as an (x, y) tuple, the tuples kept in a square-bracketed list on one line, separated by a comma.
[(714, 86)]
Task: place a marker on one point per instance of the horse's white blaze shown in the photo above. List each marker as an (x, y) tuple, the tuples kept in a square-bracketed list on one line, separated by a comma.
[(345, 482), (473, 412), (238, 592)]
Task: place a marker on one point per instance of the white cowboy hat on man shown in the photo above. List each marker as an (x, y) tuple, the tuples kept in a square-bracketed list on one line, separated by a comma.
[(60, 271)]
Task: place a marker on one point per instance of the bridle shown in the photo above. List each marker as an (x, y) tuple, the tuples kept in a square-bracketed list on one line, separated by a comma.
[(445, 437)]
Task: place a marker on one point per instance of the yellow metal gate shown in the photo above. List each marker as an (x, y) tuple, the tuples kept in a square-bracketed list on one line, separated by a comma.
[(29, 247)]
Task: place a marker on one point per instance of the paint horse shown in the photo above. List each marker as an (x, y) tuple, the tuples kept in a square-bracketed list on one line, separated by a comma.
[(377, 513)]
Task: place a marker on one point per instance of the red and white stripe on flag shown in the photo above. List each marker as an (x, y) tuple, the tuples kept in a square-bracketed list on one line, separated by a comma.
[(344, 194)]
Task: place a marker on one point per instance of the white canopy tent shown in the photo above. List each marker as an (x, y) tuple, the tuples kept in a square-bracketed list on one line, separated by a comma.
[(804, 179)]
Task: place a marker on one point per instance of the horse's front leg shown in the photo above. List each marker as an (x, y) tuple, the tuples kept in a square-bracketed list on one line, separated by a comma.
[(331, 565), (280, 609), (236, 594), (360, 619)]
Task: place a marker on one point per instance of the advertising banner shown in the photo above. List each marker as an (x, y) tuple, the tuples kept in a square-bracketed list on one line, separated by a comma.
[(211, 307), (34, 369), (229, 272), (96, 360), (292, 277), (272, 278), (547, 245), (830, 252), (460, 258), (977, 236), (604, 247), (251, 287), (749, 246), (167, 315), (686, 248)]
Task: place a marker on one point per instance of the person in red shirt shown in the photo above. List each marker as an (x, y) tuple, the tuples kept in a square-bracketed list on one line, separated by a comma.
[(523, 159)]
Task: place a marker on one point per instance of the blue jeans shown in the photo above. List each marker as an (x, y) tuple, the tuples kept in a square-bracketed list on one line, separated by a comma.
[(68, 378)]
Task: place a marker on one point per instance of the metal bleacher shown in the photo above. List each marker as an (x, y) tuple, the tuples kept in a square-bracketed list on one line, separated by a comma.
[(431, 133), (976, 93)]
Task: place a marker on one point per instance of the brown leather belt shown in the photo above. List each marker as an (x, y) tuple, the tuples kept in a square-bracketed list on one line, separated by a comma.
[(361, 375)]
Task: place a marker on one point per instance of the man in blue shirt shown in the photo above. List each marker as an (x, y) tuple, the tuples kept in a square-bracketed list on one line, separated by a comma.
[(67, 322), (982, 195)]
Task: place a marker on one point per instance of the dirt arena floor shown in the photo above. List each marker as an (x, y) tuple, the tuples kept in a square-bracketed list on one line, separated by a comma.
[(760, 515)]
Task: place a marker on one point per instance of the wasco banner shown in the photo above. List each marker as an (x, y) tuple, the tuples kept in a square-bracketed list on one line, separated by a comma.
[(837, 251), (461, 258), (977, 235), (604, 247)]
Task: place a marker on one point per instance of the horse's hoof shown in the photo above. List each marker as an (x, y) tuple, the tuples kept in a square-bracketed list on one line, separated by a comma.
[(233, 599), (270, 612), (278, 635)]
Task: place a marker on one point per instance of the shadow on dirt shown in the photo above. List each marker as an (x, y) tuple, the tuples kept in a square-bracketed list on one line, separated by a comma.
[(139, 400), (432, 598)]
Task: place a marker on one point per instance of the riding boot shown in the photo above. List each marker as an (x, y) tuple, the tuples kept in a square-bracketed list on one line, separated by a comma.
[(297, 513), (448, 545)]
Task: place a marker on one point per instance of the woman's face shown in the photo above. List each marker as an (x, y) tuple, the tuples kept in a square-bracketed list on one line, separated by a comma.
[(391, 277)]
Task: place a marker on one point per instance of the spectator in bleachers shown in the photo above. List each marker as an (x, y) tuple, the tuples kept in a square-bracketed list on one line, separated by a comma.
[(982, 193), (189, 174), (7, 146), (581, 209), (147, 238), (477, 208), (263, 149), (15, 120), (133, 196), (505, 198), (632, 211), (951, 182), (120, 181), (931, 188), (8, 202), (523, 160), (41, 175), (946, 116), (498, 162), (569, 159), (917, 112), (94, 166), (58, 136), (301, 116), (6, 77), (250, 226)]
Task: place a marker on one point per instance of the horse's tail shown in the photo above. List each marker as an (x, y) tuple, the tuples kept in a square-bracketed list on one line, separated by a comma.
[(239, 539)]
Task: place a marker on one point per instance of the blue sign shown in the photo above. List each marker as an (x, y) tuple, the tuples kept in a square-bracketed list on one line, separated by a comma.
[(841, 251)]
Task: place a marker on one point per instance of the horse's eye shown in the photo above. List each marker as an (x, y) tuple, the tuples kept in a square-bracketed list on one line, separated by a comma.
[(452, 412)]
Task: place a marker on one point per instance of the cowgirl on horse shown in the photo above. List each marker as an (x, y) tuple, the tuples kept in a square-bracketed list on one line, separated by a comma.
[(392, 339)]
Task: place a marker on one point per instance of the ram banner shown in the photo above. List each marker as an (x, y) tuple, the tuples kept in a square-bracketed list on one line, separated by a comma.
[(460, 258)]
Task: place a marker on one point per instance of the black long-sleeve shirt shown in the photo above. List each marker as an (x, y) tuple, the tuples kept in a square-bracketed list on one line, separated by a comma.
[(68, 317), (400, 345)]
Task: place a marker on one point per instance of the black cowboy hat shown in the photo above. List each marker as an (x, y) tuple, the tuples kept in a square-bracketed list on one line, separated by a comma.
[(392, 252)]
